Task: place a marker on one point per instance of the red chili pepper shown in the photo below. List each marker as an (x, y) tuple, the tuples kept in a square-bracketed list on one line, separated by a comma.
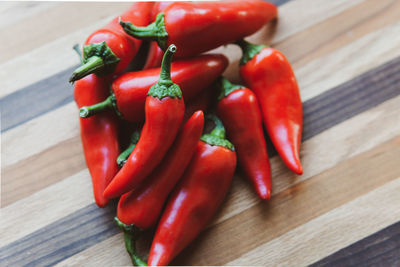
[(142, 207), (164, 110), (202, 26), (239, 111), (110, 50), (155, 53), (268, 73), (196, 198), (99, 136), (130, 89)]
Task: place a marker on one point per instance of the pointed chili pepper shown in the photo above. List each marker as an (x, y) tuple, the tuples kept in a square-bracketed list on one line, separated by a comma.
[(197, 27), (141, 208), (268, 73), (155, 54), (164, 110), (130, 89), (239, 111), (197, 196), (99, 136), (110, 50)]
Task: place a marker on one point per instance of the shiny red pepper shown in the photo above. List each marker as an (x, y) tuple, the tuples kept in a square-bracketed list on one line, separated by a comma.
[(130, 89), (268, 73), (142, 207), (239, 111), (197, 27), (110, 50), (196, 198), (99, 136), (164, 110), (155, 53)]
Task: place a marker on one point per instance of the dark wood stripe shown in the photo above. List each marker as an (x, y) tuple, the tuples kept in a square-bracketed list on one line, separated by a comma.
[(36, 99), (88, 226), (379, 249)]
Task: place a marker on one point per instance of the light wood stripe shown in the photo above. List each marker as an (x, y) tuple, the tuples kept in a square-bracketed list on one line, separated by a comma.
[(12, 12), (349, 25), (335, 229), (38, 30), (50, 204), (61, 47), (380, 46), (294, 207), (18, 145)]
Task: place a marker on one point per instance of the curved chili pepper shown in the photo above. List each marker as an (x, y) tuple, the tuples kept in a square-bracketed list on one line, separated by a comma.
[(202, 26), (99, 136), (239, 111), (143, 205), (110, 50), (197, 196), (155, 53), (164, 110), (130, 89), (140, 208), (268, 73)]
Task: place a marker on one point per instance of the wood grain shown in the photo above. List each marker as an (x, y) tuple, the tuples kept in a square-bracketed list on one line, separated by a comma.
[(346, 58), (341, 226), (38, 30), (379, 248)]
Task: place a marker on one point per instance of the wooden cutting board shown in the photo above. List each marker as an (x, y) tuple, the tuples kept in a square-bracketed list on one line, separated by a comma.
[(344, 209)]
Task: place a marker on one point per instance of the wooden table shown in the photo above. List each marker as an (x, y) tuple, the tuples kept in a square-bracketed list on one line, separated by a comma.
[(344, 209)]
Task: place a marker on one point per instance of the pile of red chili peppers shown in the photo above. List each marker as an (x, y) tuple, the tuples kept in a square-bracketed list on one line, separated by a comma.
[(171, 175)]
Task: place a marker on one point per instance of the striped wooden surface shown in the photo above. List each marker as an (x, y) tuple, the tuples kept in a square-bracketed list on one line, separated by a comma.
[(344, 209)]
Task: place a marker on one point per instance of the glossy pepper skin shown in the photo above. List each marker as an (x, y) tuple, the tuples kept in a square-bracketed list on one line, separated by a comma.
[(196, 198), (99, 136), (268, 73), (142, 206), (197, 27), (240, 113), (130, 89), (155, 54), (109, 50), (164, 109)]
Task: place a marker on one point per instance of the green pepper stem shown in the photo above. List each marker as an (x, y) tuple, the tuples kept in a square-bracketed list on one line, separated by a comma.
[(219, 129), (93, 64), (79, 52), (130, 234), (226, 87), (249, 50), (165, 74), (153, 32), (122, 158), (88, 111)]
